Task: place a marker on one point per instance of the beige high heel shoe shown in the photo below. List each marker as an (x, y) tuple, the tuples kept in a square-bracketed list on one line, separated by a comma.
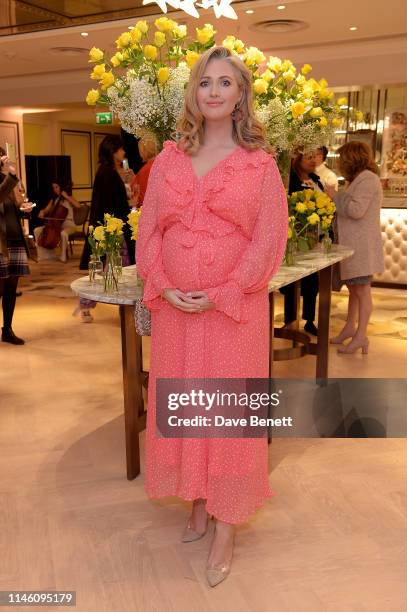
[(216, 575), (340, 338), (190, 535), (350, 350)]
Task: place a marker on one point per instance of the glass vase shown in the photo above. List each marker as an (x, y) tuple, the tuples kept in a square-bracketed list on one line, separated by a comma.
[(326, 243), (110, 279), (290, 257), (118, 266), (95, 268), (311, 235)]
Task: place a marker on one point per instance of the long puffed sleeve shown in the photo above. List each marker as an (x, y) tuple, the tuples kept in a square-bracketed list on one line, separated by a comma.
[(149, 243), (263, 255)]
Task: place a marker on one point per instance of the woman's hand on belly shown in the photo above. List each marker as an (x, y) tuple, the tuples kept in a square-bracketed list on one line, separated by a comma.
[(193, 301)]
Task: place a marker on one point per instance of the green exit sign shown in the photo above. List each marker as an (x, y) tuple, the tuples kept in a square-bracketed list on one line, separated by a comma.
[(104, 118)]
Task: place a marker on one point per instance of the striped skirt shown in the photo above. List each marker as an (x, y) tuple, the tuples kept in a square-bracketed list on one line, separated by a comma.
[(16, 264)]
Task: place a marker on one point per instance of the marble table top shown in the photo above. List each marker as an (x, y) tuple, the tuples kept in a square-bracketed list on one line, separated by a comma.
[(129, 292), (307, 263)]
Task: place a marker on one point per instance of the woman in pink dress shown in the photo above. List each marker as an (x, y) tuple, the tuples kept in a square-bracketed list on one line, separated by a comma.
[(212, 234)]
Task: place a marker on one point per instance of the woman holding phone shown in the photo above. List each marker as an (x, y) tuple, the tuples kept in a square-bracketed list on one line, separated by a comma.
[(13, 250)]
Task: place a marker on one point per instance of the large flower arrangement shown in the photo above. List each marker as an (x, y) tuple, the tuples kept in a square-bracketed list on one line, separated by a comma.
[(143, 83)]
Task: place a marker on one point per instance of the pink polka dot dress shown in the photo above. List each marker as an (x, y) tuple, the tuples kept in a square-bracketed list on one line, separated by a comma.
[(224, 233)]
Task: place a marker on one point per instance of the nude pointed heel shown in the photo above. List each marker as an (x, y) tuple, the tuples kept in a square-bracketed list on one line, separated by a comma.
[(339, 339), (350, 350), (215, 576), (190, 535)]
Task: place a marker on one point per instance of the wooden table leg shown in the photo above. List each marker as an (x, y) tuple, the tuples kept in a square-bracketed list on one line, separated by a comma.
[(132, 388), (324, 309)]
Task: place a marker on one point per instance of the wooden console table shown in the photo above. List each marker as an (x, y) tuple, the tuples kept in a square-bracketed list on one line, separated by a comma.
[(132, 363)]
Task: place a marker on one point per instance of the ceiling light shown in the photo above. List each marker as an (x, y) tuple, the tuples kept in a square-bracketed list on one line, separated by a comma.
[(280, 7), (353, 28), (84, 34), (69, 51), (250, 12), (131, 28), (279, 26)]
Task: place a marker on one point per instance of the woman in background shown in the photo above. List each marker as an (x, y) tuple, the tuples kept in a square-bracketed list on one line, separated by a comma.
[(60, 196), (358, 222), (13, 250), (108, 196), (148, 151), (303, 176)]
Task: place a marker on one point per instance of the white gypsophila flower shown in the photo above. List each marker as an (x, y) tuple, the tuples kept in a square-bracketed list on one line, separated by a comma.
[(309, 136), (149, 108), (142, 107), (174, 91), (273, 116)]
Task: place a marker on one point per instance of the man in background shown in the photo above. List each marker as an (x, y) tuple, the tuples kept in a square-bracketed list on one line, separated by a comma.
[(327, 177)]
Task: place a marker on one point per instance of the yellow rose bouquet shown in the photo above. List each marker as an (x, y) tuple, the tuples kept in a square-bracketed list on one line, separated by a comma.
[(308, 210), (106, 239), (143, 83)]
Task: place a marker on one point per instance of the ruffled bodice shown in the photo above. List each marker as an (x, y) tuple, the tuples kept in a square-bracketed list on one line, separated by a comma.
[(224, 232), (221, 193)]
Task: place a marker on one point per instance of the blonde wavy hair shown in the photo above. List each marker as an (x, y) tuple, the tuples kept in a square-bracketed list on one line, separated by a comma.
[(248, 132)]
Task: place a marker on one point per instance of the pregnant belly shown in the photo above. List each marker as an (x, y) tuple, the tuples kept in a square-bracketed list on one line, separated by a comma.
[(196, 260)]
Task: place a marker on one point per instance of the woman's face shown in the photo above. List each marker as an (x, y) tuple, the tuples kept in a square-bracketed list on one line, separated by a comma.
[(56, 189), (119, 155), (218, 91), (308, 162)]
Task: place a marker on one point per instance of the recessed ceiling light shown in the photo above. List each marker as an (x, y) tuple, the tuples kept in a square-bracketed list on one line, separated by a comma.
[(69, 50), (250, 12), (84, 34), (131, 28), (353, 28), (279, 26), (280, 7)]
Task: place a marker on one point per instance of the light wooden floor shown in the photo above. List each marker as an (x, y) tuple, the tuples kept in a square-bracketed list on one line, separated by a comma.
[(332, 539)]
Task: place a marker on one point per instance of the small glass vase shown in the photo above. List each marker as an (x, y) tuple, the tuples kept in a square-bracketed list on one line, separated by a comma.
[(291, 249), (311, 235), (110, 278), (326, 244), (95, 268), (118, 266)]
